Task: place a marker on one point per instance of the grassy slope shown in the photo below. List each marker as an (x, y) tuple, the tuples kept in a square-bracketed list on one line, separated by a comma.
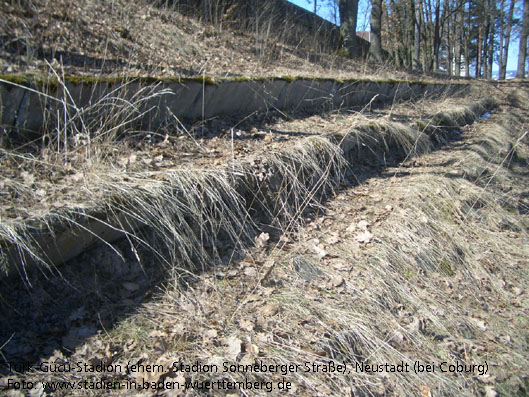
[(135, 38)]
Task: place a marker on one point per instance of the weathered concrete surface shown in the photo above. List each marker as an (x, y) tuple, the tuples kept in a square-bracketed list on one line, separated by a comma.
[(25, 113)]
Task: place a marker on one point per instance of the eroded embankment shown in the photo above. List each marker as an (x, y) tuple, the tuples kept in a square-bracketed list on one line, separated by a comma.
[(192, 212)]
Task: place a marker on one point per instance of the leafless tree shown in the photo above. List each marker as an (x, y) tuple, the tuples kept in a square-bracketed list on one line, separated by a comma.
[(522, 54), (375, 49)]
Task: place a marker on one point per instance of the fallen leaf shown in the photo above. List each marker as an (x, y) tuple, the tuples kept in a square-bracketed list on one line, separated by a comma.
[(234, 347), (157, 334), (362, 225), (260, 241), (480, 324), (351, 228), (264, 338), (216, 361), (246, 325), (490, 391), (267, 291), (333, 238), (247, 359), (180, 379), (336, 281), (250, 272), (211, 333), (396, 339), (364, 237), (252, 349), (269, 310), (340, 266), (74, 178), (517, 291), (417, 325), (320, 252), (487, 379), (28, 178), (253, 298), (426, 391), (269, 267), (36, 391)]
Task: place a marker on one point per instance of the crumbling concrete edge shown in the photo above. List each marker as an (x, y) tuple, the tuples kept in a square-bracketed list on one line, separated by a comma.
[(27, 107)]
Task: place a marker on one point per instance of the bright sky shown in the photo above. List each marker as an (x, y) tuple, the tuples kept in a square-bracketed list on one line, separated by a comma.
[(363, 24)]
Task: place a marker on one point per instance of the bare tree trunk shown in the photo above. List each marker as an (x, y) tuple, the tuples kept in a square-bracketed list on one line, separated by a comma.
[(485, 46), (417, 37), (447, 19), (400, 28), (503, 66), (348, 15), (388, 40), (522, 54), (492, 15), (410, 38), (480, 50), (206, 10), (375, 49), (436, 36), (427, 38), (459, 38), (315, 29), (467, 43), (502, 36)]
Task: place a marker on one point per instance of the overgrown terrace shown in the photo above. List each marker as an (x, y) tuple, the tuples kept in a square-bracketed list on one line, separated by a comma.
[(266, 168), (417, 253)]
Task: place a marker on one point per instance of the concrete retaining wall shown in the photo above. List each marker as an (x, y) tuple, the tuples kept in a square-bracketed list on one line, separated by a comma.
[(25, 111)]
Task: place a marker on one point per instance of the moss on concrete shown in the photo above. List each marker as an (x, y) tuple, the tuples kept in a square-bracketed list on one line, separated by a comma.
[(33, 80), (27, 79), (420, 124)]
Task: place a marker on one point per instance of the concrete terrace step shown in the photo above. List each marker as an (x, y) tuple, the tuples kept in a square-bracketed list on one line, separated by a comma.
[(230, 200), (30, 103)]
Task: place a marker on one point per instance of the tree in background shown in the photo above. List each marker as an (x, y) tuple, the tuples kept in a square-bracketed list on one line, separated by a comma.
[(459, 29), (493, 11), (522, 54), (348, 16), (446, 36), (506, 23), (416, 11), (375, 49)]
